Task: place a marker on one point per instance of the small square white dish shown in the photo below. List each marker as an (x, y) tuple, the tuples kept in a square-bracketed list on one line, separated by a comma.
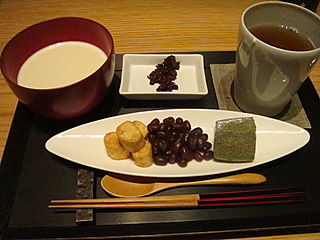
[(135, 84)]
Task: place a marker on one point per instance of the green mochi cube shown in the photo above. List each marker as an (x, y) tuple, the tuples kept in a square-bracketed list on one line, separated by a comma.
[(235, 140)]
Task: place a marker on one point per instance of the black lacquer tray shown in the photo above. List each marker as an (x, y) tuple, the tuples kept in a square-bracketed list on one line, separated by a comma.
[(31, 177)]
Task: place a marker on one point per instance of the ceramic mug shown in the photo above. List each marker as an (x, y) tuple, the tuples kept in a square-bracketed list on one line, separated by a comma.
[(267, 76)]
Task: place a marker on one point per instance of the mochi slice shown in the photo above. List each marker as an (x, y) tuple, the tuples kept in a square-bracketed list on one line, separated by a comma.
[(235, 140)]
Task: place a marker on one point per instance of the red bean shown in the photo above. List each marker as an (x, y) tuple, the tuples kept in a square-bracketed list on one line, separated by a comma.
[(173, 158), (183, 163), (155, 121), (155, 150), (151, 137), (187, 125), (197, 131), (204, 136), (171, 138), (163, 146), (161, 135), (186, 153), (201, 143), (198, 156), (179, 126), (175, 148), (152, 128), (192, 142), (160, 160), (207, 145), (208, 155), (184, 137), (179, 120), (162, 128), (168, 121)]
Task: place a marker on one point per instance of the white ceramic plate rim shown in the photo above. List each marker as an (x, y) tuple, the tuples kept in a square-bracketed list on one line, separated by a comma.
[(84, 144)]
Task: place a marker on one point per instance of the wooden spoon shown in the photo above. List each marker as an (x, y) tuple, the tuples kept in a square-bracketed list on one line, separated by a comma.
[(128, 186)]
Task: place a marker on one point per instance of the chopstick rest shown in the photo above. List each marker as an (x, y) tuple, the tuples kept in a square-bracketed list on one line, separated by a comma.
[(219, 199), (85, 186)]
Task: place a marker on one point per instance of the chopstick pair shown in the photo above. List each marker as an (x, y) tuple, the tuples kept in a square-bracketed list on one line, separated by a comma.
[(219, 199)]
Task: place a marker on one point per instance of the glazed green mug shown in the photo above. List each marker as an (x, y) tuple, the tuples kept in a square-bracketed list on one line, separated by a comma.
[(278, 45)]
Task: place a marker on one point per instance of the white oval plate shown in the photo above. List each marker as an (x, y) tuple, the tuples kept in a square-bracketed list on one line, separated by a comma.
[(84, 144)]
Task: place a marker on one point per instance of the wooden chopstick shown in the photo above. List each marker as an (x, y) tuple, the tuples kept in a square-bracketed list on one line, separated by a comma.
[(252, 194), (252, 197), (157, 204), (195, 197), (236, 198), (255, 192)]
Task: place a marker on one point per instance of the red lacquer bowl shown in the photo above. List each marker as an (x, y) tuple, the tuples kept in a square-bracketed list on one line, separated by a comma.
[(69, 101)]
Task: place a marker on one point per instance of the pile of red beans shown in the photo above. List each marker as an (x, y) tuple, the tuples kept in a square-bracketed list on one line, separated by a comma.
[(173, 141), (165, 74)]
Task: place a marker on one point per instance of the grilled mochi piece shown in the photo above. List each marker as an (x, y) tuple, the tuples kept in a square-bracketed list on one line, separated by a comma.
[(235, 140), (143, 158), (130, 136), (114, 148)]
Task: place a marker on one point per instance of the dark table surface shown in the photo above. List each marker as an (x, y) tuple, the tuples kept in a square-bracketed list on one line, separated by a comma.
[(31, 177)]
